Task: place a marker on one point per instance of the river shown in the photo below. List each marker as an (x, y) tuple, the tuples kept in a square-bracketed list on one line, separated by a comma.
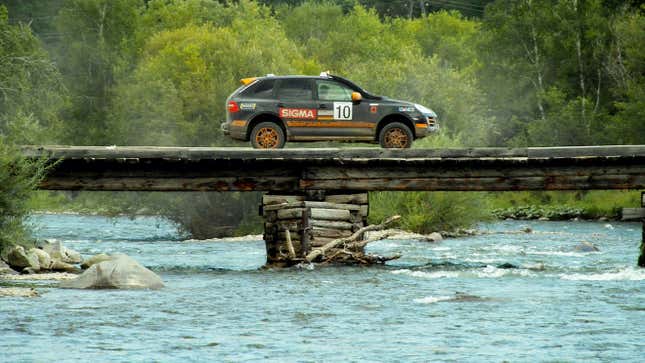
[(442, 301)]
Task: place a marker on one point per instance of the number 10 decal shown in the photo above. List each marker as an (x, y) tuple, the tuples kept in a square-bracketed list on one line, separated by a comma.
[(342, 110)]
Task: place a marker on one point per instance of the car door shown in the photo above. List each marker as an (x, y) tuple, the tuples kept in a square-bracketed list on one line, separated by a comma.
[(339, 116), (296, 105)]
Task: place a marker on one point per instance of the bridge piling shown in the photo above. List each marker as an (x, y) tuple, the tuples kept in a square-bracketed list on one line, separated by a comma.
[(297, 222), (641, 258)]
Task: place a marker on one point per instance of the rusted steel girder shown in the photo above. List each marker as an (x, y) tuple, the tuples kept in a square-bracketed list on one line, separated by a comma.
[(296, 170)]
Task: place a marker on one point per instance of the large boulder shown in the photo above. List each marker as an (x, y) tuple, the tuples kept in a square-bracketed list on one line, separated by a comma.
[(44, 260), (20, 259), (59, 252), (89, 262), (121, 272)]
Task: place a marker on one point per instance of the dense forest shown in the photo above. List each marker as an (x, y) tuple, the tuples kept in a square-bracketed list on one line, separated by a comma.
[(157, 72)]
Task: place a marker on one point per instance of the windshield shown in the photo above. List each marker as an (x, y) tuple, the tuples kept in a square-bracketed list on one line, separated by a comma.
[(353, 85)]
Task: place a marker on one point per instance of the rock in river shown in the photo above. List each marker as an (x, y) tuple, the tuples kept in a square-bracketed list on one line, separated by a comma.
[(59, 252), (585, 246), (20, 259), (6, 270), (121, 272), (87, 263), (44, 260)]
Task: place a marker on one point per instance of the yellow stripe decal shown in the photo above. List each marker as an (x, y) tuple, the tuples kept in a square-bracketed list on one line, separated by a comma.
[(355, 124)]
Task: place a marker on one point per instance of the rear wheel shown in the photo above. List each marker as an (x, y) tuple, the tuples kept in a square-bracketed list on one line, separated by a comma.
[(267, 135), (395, 135)]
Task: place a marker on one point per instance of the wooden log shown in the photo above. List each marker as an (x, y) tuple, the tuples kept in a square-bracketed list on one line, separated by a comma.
[(641, 258), (356, 235), (361, 198), (317, 213), (328, 232), (304, 234), (292, 251), (335, 224), (320, 205), (268, 199), (365, 210)]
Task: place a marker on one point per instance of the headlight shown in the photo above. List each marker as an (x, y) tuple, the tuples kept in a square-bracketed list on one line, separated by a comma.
[(425, 110)]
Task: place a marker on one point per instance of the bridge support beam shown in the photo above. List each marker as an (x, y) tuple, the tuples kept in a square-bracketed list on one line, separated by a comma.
[(641, 258), (294, 224)]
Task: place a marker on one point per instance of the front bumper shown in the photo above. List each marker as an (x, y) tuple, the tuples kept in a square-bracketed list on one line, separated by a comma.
[(425, 125)]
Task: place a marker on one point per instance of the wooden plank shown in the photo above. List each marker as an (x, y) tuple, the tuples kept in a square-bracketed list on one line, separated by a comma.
[(200, 153), (631, 214), (553, 182), (312, 204)]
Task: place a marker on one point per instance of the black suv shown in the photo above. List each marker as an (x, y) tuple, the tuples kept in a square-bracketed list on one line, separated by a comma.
[(273, 109)]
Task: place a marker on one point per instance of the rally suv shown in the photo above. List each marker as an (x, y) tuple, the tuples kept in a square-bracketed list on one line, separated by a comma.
[(270, 110)]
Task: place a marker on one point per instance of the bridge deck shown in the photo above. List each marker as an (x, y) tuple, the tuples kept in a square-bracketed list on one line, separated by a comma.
[(291, 170)]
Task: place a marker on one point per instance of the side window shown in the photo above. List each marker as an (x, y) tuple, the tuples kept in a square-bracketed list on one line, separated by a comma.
[(263, 89), (333, 91), (299, 89)]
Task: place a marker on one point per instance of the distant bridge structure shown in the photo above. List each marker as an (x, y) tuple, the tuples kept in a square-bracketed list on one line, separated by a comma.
[(321, 194), (146, 168)]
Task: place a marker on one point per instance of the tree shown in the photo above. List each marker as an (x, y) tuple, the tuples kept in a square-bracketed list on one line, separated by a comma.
[(177, 93), (97, 45), (31, 92)]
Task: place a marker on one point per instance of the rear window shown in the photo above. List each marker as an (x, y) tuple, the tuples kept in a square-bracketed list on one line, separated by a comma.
[(262, 89), (295, 89)]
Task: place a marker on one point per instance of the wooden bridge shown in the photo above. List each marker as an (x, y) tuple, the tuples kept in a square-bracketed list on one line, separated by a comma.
[(359, 169), (321, 194)]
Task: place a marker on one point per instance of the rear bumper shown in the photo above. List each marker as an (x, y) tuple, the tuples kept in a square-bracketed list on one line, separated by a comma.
[(225, 128), (235, 129)]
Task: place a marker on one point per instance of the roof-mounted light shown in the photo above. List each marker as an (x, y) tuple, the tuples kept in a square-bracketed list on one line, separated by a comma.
[(247, 81)]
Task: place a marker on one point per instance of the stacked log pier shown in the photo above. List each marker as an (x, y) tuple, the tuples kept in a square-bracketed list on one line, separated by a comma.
[(296, 224)]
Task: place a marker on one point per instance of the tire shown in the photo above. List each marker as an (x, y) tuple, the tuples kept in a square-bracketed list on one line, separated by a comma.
[(395, 135), (267, 135)]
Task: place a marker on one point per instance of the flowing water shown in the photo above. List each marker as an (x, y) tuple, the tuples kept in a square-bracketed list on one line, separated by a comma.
[(446, 301)]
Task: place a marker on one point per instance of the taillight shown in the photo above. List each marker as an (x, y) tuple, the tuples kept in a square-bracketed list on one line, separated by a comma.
[(233, 107)]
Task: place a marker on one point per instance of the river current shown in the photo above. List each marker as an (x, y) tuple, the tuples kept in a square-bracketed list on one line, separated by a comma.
[(446, 301)]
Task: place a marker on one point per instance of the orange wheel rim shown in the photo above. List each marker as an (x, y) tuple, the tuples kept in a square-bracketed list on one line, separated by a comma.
[(396, 138), (267, 138)]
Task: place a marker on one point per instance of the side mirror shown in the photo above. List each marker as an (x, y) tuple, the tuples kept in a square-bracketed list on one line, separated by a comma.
[(356, 96)]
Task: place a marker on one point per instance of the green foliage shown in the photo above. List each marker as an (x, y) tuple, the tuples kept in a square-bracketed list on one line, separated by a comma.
[(18, 178), (176, 94), (562, 205), (31, 93), (97, 44), (426, 212)]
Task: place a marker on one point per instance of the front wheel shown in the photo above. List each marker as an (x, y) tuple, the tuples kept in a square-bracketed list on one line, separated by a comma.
[(395, 135), (267, 135)]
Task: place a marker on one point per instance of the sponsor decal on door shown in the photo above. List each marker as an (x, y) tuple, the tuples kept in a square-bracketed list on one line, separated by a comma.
[(298, 113)]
